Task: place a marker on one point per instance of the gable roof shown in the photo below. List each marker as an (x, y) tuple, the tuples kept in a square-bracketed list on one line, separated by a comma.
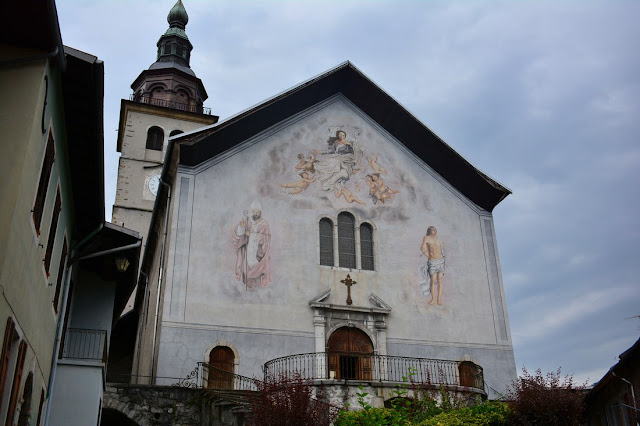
[(200, 145)]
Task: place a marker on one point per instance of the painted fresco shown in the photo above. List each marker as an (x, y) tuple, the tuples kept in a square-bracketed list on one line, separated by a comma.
[(252, 244), (431, 271), (340, 168)]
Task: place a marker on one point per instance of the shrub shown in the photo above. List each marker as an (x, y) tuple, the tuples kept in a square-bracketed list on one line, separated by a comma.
[(288, 401), (494, 413), (546, 399)]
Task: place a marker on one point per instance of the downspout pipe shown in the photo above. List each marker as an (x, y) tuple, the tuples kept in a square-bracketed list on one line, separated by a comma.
[(160, 276), (63, 310)]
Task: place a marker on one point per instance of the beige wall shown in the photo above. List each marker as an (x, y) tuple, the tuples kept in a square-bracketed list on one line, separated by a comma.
[(27, 292)]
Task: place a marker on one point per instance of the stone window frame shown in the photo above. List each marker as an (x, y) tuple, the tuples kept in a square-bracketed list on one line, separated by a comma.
[(358, 222), (155, 142)]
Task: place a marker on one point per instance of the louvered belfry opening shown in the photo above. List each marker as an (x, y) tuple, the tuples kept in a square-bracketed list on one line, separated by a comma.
[(349, 351)]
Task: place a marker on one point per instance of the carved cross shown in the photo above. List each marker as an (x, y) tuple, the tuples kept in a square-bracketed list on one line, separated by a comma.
[(348, 282)]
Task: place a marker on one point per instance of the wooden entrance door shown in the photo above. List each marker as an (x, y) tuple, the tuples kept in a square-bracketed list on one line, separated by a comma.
[(220, 368), (349, 351)]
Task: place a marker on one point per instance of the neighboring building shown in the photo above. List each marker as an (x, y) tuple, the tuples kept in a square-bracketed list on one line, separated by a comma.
[(57, 270), (615, 399)]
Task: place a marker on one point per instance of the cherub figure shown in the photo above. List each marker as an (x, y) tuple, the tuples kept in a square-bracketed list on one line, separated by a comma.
[(305, 165), (298, 187), (373, 162), (377, 179), (374, 191), (349, 196)]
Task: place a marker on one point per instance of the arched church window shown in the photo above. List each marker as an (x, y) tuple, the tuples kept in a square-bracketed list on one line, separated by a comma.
[(175, 132), (326, 242), (366, 247), (155, 138), (220, 369), (349, 353), (346, 241)]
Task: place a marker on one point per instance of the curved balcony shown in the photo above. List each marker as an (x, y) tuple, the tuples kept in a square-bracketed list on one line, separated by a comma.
[(377, 368)]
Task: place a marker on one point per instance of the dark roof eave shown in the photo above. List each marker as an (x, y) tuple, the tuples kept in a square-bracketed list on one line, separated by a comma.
[(377, 104)]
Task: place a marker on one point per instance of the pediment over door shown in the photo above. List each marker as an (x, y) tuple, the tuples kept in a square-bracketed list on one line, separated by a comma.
[(331, 315)]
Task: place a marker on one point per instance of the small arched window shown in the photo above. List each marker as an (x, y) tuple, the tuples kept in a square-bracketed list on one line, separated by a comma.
[(326, 242), (366, 247), (346, 241), (175, 132), (155, 138)]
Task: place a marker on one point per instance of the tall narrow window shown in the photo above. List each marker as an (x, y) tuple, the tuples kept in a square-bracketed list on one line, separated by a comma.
[(63, 259), (155, 138), (52, 231), (326, 242), (346, 241), (366, 247), (17, 377), (40, 407), (10, 335), (43, 183)]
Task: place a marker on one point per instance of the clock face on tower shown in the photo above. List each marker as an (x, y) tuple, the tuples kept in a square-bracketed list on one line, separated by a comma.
[(154, 183)]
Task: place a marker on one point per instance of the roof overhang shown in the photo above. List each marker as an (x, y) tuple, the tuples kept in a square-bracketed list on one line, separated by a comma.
[(83, 94), (199, 146)]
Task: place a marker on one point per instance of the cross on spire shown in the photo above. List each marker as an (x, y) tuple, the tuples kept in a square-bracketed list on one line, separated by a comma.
[(348, 282)]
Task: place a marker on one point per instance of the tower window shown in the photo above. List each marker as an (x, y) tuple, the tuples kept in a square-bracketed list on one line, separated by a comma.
[(155, 138), (346, 241)]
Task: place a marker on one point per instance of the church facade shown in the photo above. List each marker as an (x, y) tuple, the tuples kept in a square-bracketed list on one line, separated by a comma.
[(325, 231)]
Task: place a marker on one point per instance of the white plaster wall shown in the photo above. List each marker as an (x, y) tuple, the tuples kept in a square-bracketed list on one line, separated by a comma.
[(76, 396), (203, 293)]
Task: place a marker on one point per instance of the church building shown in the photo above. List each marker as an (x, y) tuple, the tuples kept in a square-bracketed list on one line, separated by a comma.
[(325, 231)]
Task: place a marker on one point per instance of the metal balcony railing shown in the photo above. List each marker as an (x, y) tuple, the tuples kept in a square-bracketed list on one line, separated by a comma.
[(86, 344), (344, 366), (170, 104), (208, 377), (377, 368)]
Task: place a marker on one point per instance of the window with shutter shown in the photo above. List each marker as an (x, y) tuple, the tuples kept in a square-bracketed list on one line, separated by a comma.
[(43, 183), (346, 241), (52, 231)]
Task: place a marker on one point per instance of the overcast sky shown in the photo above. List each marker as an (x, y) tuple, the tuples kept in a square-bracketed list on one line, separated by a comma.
[(543, 96)]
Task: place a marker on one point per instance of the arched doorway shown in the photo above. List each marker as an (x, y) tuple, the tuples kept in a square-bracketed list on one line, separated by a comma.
[(349, 351), (220, 375), (468, 374)]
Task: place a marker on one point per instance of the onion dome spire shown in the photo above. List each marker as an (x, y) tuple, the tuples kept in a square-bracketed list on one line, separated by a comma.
[(178, 16)]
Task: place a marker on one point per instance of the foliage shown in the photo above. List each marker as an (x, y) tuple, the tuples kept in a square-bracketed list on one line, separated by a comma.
[(493, 413), (288, 401), (546, 399), (425, 405)]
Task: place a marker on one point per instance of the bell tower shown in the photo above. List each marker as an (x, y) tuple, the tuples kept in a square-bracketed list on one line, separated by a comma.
[(167, 99)]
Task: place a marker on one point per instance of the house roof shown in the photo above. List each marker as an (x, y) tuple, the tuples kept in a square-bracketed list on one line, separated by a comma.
[(200, 145), (629, 360)]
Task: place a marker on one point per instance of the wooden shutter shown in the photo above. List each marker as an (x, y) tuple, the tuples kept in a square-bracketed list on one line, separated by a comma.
[(9, 336), (17, 377), (43, 183), (63, 258), (52, 231), (40, 407)]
